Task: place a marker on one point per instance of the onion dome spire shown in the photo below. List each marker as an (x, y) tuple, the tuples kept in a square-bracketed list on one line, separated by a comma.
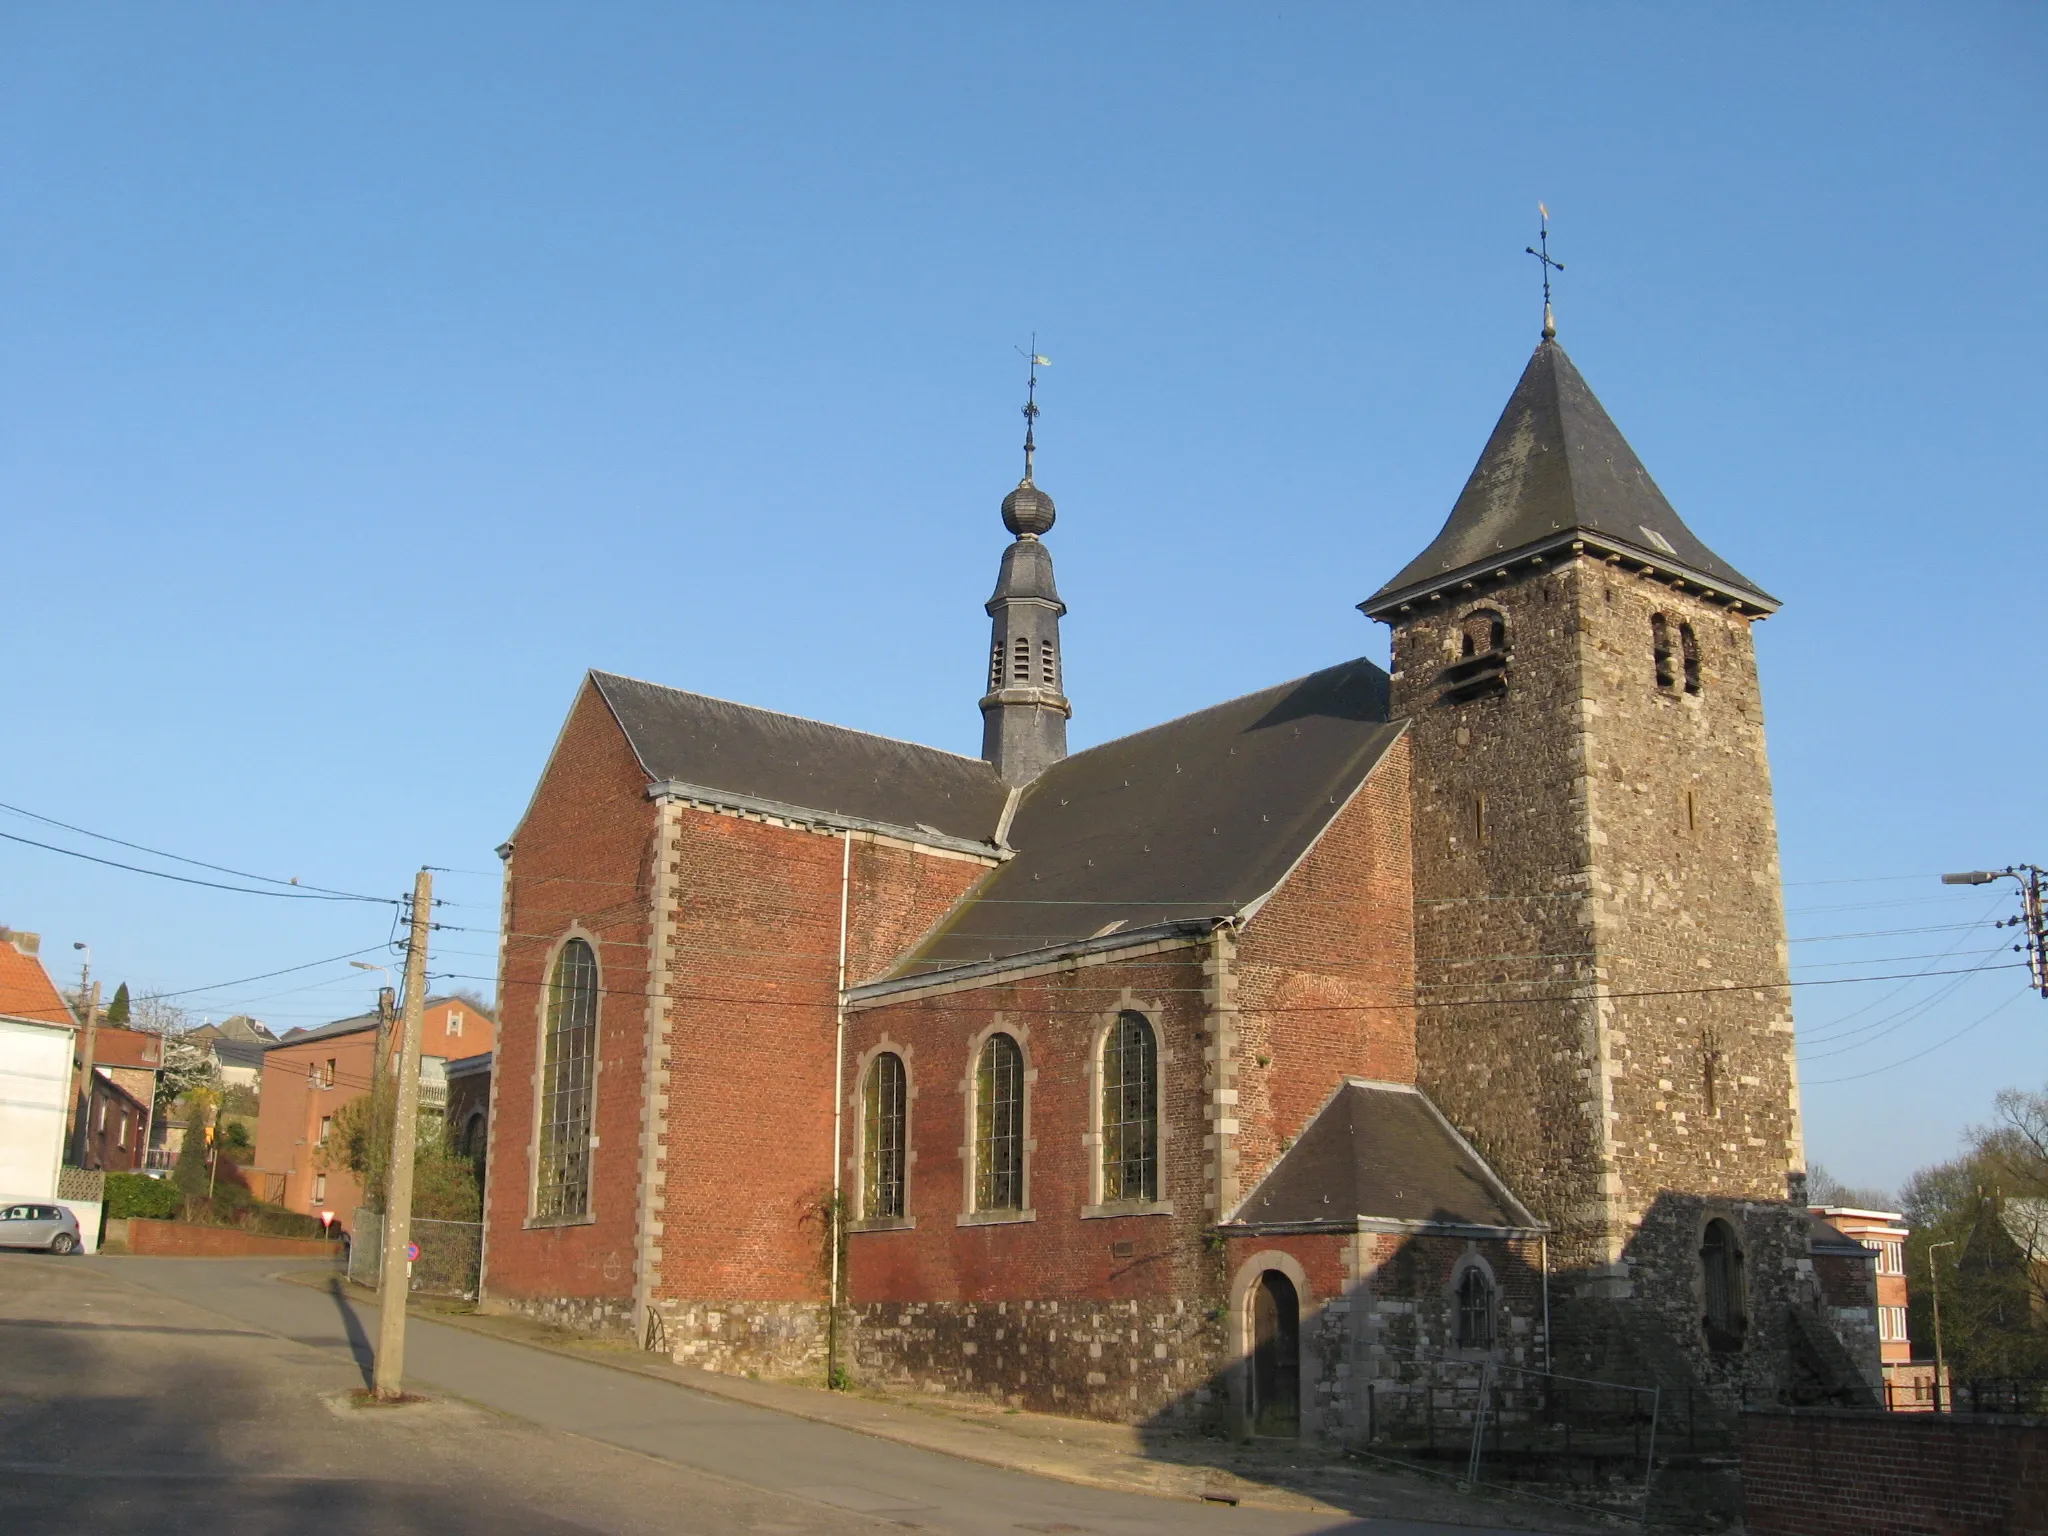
[(1024, 713)]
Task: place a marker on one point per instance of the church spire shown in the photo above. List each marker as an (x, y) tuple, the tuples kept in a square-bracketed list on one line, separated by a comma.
[(1024, 713)]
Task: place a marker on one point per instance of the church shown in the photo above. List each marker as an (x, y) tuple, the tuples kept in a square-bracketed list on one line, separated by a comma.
[(1246, 1071)]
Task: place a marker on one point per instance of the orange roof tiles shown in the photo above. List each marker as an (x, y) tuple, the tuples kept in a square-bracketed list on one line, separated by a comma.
[(26, 991)]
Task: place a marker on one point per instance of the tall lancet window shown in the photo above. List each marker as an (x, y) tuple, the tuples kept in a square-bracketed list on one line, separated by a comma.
[(1130, 1111), (884, 1120), (567, 1086), (999, 1126)]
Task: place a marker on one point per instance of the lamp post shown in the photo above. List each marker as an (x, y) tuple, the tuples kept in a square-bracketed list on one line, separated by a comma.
[(2033, 909), (89, 995), (1940, 1359)]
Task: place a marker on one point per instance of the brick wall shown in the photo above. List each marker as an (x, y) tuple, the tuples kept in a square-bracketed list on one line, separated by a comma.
[(184, 1240), (714, 1101), (1820, 1472), (1326, 973), (580, 864)]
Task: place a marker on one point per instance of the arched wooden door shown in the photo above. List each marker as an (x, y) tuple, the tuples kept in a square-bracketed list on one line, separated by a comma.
[(1276, 1356)]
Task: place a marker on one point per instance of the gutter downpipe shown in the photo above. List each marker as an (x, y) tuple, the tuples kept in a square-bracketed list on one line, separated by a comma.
[(1543, 1249), (838, 1111)]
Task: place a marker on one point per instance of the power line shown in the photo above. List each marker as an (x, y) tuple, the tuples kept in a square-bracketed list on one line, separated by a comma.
[(219, 869), (240, 981), (242, 890), (1827, 1082)]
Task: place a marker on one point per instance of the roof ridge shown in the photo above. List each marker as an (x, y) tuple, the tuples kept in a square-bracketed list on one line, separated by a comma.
[(758, 709)]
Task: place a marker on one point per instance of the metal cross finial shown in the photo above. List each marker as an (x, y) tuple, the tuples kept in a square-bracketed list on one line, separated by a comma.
[(1543, 255), (1031, 402)]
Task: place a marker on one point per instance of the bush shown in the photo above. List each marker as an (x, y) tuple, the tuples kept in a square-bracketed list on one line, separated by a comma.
[(131, 1194)]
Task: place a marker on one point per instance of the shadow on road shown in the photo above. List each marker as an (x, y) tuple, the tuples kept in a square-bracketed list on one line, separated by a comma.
[(359, 1343)]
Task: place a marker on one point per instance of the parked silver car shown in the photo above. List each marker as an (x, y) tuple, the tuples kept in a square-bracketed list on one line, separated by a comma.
[(49, 1227)]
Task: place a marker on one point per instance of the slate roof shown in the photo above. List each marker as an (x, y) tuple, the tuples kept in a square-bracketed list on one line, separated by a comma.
[(243, 1053), (1381, 1151), (1555, 467), (804, 764), (1192, 820)]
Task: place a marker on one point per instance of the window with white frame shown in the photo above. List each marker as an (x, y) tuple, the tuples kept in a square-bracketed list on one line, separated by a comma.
[(326, 1124), (319, 1188), (1891, 1325), (455, 1021)]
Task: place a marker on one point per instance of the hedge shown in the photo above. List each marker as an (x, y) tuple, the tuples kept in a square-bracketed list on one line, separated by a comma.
[(134, 1194)]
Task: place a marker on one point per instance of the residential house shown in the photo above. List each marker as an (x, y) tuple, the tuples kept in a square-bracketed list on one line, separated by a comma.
[(117, 1127), (468, 1114), (236, 1046), (309, 1078)]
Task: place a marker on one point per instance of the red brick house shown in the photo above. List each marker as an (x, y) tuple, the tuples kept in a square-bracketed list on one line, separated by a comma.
[(1099, 1082), (309, 1077)]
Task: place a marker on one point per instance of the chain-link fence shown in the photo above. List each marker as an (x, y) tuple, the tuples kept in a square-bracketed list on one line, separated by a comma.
[(451, 1254), (1591, 1445)]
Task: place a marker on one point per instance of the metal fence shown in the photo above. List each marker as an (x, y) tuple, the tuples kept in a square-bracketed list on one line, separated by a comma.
[(451, 1255), (1589, 1445)]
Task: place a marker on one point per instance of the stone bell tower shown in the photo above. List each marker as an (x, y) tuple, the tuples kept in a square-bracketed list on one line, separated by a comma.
[(1600, 939), (1024, 714)]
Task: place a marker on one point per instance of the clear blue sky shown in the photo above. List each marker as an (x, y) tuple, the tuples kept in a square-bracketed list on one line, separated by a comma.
[(367, 373)]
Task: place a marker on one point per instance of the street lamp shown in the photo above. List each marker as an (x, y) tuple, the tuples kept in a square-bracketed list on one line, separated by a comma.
[(1940, 1359), (2033, 902)]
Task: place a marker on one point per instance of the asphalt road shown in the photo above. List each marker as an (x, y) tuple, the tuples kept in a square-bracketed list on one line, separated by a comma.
[(124, 1375)]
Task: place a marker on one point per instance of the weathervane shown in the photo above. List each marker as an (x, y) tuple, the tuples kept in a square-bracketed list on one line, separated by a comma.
[(1031, 401), (1543, 255)]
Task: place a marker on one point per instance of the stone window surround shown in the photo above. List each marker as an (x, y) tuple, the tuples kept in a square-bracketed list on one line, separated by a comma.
[(1731, 1218), (1237, 1344), (969, 1216), (588, 1217), (1472, 1259), (857, 1115), (1091, 1140)]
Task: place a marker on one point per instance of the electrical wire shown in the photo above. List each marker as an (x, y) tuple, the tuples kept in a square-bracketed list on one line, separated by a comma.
[(219, 869), (240, 890)]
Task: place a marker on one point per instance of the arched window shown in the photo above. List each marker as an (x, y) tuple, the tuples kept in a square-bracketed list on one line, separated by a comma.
[(1021, 661), (1048, 666), (1475, 1309), (995, 667), (471, 1144), (1721, 1272), (1660, 648), (1130, 1111), (567, 1085), (999, 1126), (1480, 668), (884, 1118), (1689, 657)]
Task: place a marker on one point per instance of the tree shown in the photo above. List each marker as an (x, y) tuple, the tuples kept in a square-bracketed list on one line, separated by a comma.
[(445, 1186), (119, 1009), (192, 1174), (1965, 1215), (1823, 1188)]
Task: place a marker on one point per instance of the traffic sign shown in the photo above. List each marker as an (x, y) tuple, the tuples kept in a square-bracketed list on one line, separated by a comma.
[(412, 1252)]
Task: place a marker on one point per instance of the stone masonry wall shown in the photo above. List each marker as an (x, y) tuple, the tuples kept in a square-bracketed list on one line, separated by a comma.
[(1585, 829), (1504, 909)]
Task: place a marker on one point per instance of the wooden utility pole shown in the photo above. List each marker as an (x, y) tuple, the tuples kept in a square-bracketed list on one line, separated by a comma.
[(82, 1127), (394, 1278), (383, 1072)]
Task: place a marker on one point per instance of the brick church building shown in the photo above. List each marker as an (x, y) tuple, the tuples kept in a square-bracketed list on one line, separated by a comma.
[(1245, 1069)]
